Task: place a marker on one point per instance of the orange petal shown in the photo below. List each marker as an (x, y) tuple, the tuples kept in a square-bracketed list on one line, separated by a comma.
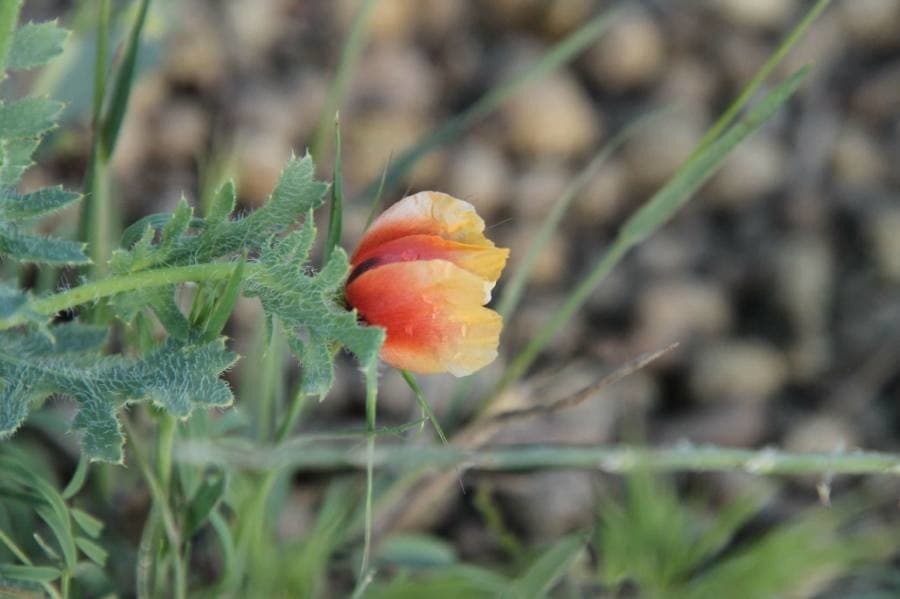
[(485, 261), (425, 213), (432, 312)]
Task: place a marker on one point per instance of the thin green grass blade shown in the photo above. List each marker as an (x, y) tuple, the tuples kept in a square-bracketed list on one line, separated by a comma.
[(103, 11), (549, 568), (356, 41), (423, 404), (650, 217), (77, 480), (376, 199), (774, 60), (336, 217), (371, 411), (9, 17), (561, 53), (118, 101), (221, 312)]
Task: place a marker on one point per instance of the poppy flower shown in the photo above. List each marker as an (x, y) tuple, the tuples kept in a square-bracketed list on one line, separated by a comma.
[(424, 271)]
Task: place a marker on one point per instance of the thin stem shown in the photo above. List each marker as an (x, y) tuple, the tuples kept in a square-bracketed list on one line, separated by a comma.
[(90, 292), (613, 459), (371, 402), (164, 441)]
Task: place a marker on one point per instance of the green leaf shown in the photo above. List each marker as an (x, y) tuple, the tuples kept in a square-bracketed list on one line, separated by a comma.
[(36, 44), (30, 117), (204, 502), (31, 573), (174, 376), (91, 526), (35, 248), (9, 17), (15, 158), (39, 203), (336, 218), (549, 568), (92, 550), (310, 305)]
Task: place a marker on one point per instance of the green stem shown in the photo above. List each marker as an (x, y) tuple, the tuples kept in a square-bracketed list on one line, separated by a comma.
[(50, 305), (371, 401), (613, 459), (164, 441)]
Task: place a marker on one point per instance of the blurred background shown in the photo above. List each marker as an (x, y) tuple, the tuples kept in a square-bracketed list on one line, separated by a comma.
[(780, 280)]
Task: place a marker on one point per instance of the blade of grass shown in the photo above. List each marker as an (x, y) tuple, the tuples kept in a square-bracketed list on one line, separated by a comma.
[(649, 218), (352, 50), (371, 410), (335, 221), (761, 75), (556, 56), (423, 404), (376, 199), (221, 312), (100, 61)]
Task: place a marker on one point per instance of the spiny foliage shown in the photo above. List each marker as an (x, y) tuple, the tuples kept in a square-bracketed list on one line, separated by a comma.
[(23, 123), (173, 376), (309, 305)]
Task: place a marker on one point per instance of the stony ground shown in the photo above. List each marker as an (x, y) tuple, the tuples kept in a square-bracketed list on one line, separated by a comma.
[(781, 279)]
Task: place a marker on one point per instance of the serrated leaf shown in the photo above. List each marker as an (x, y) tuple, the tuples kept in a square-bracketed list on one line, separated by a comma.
[(223, 203), (29, 117), (15, 158), (204, 502), (35, 248), (36, 44), (174, 376), (36, 204), (311, 306)]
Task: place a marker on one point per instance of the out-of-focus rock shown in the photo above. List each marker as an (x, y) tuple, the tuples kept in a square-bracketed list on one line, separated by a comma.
[(756, 167), (261, 156), (764, 14), (856, 159), (630, 54), (552, 264), (372, 138), (655, 153), (552, 117), (878, 95), (390, 21), (548, 504), (562, 16), (884, 235), (532, 315), (871, 23), (395, 77), (821, 433), (738, 370), (439, 17), (677, 310), (804, 267), (182, 131), (479, 174), (197, 55), (538, 188), (604, 195), (688, 81), (732, 425), (256, 25)]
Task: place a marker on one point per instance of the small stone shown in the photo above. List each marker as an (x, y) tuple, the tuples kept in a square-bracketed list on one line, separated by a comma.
[(197, 55), (395, 77), (182, 131), (764, 14), (884, 235), (871, 23), (479, 174), (389, 21), (552, 117), (563, 16), (856, 158), (821, 433), (630, 54), (538, 188), (261, 157), (255, 25), (729, 425), (551, 265), (680, 309), (738, 370), (548, 504), (655, 153), (877, 96), (604, 196), (755, 168), (688, 81)]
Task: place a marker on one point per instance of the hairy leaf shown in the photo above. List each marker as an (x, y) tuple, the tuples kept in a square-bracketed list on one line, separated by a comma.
[(39, 203), (311, 306), (36, 44), (174, 376)]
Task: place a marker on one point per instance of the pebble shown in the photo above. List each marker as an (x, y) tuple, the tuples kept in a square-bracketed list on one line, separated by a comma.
[(856, 159), (479, 173), (877, 96), (182, 131), (604, 196), (871, 23), (261, 157), (396, 77), (753, 169), (538, 187), (741, 370), (553, 117), (546, 505), (762, 14), (821, 433), (730, 425), (884, 236), (631, 54), (552, 264), (655, 153), (563, 16), (681, 309), (255, 26)]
